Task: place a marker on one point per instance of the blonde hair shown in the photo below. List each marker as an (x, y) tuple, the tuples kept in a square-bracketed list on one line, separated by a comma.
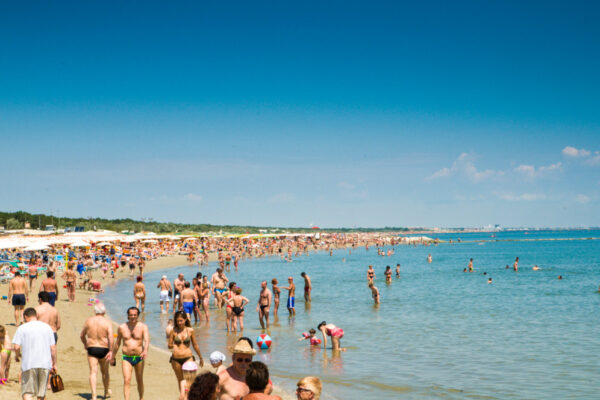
[(313, 384), (188, 377), (2, 336)]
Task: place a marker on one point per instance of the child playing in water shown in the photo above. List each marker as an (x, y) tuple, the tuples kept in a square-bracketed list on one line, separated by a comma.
[(314, 341)]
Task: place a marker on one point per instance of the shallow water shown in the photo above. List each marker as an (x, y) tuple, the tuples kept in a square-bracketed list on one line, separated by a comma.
[(439, 332)]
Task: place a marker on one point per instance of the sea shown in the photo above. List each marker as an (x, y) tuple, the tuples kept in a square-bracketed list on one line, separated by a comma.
[(438, 333)]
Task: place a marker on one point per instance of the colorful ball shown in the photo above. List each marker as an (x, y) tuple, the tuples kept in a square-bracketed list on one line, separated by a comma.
[(263, 341)]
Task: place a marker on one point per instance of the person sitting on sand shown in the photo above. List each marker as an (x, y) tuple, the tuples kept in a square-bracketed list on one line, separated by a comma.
[(335, 333)]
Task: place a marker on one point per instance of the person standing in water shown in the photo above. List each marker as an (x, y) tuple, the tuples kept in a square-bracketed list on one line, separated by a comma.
[(291, 293), (388, 274), (307, 286), (139, 294), (264, 304), (374, 293), (276, 293), (370, 274), (429, 259), (516, 265), (397, 270), (470, 266)]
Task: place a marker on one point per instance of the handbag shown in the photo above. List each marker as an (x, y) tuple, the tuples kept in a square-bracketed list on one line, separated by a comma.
[(56, 383)]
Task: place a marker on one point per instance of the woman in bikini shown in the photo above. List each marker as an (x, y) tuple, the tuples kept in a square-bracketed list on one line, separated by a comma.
[(388, 274), (5, 347), (205, 299), (181, 341), (237, 303), (228, 295), (334, 332), (71, 279), (370, 274), (276, 292)]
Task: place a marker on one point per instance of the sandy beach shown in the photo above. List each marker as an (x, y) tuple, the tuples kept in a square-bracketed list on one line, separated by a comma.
[(72, 364)]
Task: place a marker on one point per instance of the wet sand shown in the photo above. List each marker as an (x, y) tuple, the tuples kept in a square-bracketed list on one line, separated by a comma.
[(159, 379)]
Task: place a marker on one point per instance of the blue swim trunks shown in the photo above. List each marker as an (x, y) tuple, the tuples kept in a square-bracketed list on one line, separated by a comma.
[(188, 307), (290, 302)]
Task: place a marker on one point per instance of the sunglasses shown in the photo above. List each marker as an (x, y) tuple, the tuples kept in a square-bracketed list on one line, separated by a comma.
[(243, 360), (301, 389)]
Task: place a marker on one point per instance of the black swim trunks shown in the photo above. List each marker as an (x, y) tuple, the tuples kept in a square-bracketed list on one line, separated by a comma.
[(18, 300), (97, 352)]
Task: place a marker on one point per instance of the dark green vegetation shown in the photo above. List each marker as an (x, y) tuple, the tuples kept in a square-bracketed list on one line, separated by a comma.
[(17, 220)]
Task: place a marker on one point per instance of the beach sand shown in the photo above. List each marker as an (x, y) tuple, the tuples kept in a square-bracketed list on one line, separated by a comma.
[(72, 365)]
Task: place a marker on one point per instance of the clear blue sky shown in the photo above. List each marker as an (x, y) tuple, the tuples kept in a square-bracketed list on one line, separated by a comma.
[(329, 113)]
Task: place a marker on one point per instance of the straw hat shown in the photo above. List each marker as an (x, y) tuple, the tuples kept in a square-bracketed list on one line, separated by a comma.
[(243, 347)]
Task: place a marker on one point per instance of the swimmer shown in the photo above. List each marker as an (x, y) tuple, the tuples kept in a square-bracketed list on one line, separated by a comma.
[(489, 280), (560, 277), (397, 270), (516, 265), (429, 259), (536, 268)]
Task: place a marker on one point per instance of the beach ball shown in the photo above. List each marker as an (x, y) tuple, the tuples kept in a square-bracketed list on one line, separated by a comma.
[(263, 341)]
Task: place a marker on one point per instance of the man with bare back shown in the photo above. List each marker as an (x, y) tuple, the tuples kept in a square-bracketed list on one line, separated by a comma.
[(165, 292), (178, 284), (291, 306), (50, 286), (136, 341), (139, 293), (188, 299), (48, 314), (19, 295), (97, 338)]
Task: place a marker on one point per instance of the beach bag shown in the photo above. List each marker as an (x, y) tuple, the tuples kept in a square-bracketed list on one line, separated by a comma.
[(56, 383)]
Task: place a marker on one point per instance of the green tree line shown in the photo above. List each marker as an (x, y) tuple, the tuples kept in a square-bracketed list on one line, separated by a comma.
[(17, 220)]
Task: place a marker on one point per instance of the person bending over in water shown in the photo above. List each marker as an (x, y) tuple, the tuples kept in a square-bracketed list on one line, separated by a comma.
[(307, 286), (335, 333), (374, 293)]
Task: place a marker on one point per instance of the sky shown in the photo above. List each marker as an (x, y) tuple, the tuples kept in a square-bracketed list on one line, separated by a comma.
[(336, 114)]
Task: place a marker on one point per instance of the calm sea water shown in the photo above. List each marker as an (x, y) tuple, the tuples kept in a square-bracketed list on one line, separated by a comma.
[(439, 332)]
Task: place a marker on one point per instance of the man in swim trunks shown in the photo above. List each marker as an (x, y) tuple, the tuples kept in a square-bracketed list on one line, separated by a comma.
[(33, 273), (139, 293), (264, 304), (136, 341), (50, 286), (18, 294), (188, 298), (219, 280), (97, 338), (178, 284), (48, 314), (291, 306), (307, 286), (165, 289)]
